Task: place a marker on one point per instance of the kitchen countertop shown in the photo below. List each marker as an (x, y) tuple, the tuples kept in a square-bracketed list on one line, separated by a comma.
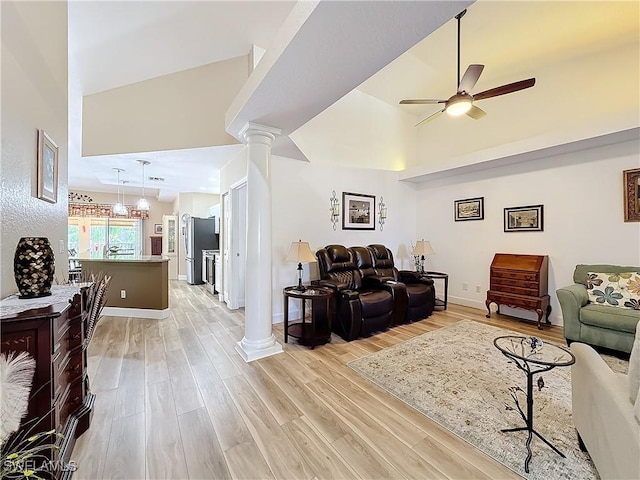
[(124, 259)]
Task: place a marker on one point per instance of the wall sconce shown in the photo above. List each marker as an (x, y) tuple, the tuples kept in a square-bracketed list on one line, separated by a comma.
[(334, 209), (382, 213)]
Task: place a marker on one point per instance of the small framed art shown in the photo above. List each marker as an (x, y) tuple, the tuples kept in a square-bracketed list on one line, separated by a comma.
[(358, 211), (631, 186), (468, 209), (524, 219), (157, 229), (47, 168)]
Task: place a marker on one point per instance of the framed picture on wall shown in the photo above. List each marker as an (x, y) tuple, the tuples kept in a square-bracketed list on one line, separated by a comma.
[(524, 219), (157, 228), (47, 168), (468, 209), (631, 186), (358, 211)]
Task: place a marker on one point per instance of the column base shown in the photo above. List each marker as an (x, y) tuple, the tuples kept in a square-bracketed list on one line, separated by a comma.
[(250, 351)]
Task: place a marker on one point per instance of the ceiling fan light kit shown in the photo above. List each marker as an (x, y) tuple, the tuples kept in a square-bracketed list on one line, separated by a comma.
[(459, 104), (462, 102)]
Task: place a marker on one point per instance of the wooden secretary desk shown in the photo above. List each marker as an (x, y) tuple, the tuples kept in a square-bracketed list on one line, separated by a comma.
[(520, 281)]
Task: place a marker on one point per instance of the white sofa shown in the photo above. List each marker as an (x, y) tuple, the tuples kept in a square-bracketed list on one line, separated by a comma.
[(606, 411)]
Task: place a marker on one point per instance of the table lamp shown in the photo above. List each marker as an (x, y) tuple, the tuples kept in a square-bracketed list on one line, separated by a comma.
[(422, 248), (300, 252)]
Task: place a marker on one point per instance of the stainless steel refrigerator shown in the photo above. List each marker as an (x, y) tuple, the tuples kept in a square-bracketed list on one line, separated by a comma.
[(200, 234)]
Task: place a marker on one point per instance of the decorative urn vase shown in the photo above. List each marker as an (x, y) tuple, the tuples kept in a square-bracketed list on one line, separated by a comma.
[(33, 267)]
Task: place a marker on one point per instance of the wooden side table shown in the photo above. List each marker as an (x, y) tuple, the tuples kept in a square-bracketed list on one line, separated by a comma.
[(440, 276), (317, 330)]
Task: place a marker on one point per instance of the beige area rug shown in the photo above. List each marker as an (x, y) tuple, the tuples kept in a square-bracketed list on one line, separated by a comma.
[(456, 377)]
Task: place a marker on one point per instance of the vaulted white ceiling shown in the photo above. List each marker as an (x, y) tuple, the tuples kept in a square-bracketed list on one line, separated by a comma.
[(584, 56)]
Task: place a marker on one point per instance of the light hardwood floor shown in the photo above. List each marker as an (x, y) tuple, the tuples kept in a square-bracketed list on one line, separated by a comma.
[(174, 400)]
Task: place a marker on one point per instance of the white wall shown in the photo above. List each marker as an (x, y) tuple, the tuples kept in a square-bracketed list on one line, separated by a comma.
[(181, 110), (34, 96), (300, 202), (583, 219), (234, 171), (360, 130), (156, 211)]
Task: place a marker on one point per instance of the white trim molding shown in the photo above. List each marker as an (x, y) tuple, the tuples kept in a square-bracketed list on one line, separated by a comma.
[(136, 312)]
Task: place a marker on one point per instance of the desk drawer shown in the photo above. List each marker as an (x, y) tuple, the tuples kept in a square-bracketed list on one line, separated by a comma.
[(506, 287), (514, 300), (514, 274)]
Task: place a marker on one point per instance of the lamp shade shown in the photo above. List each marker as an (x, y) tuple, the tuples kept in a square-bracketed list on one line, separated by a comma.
[(300, 252), (423, 247)]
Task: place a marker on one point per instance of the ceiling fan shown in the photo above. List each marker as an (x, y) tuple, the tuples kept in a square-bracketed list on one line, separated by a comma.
[(463, 101)]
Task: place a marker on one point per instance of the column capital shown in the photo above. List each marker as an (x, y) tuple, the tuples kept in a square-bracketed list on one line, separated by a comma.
[(255, 129)]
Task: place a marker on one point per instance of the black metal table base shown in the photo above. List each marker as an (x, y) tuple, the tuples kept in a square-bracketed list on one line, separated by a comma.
[(513, 347), (528, 419), (529, 438)]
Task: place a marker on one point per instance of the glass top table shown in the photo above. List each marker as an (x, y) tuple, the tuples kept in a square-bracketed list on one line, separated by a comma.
[(532, 356), (534, 351)]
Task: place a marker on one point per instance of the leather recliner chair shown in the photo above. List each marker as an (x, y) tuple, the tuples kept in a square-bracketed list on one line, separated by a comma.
[(373, 279), (358, 311), (421, 296)]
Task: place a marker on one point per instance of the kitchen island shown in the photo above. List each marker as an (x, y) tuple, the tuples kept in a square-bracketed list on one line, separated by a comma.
[(139, 285)]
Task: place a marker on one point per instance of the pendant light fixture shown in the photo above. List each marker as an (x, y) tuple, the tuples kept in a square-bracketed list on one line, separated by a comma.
[(143, 203), (125, 210), (119, 208)]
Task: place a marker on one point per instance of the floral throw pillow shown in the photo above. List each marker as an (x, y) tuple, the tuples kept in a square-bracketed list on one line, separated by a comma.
[(614, 289)]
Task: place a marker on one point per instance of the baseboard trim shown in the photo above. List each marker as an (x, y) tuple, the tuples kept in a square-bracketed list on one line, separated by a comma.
[(182, 277), (465, 302), (294, 315), (512, 312), (136, 312)]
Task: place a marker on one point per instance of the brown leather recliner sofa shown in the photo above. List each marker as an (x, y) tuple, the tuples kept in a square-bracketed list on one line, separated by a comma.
[(421, 294), (367, 300), (357, 310)]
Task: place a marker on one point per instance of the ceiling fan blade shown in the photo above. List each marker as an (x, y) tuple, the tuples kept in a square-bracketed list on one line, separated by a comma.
[(476, 113), (421, 101), (429, 118), (470, 78), (504, 89)]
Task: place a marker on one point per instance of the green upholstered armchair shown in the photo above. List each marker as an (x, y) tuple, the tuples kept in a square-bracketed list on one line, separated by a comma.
[(594, 324)]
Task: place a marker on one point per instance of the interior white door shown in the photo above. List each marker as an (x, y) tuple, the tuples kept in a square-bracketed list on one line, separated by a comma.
[(169, 243), (223, 288), (238, 245)]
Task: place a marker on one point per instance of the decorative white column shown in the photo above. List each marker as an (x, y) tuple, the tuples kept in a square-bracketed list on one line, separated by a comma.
[(258, 341)]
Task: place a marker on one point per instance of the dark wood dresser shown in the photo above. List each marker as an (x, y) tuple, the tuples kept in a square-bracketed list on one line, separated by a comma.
[(520, 281), (52, 330)]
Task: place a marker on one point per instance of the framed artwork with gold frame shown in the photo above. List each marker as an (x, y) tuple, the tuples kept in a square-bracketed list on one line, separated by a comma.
[(631, 185)]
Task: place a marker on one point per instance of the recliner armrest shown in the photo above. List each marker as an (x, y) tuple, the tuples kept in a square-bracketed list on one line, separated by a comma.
[(376, 282), (333, 285), (409, 276), (349, 294), (398, 291), (410, 273)]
